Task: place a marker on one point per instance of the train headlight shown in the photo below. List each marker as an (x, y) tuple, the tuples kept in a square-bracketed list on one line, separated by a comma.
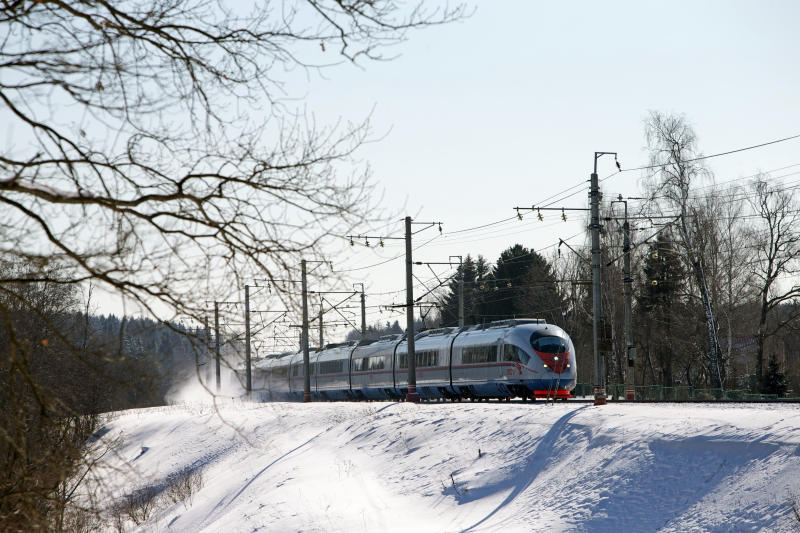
[(545, 365), (555, 358), (567, 365)]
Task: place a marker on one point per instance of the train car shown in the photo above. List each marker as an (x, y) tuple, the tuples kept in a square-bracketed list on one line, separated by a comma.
[(332, 378), (372, 376), (525, 358), (270, 375)]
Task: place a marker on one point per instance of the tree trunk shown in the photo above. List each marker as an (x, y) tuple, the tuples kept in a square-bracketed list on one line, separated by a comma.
[(760, 341)]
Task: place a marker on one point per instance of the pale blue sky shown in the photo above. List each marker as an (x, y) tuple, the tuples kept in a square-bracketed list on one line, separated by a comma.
[(506, 108)]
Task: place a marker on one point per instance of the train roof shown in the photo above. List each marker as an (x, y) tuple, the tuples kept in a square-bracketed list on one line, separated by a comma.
[(335, 351), (511, 322), (383, 342)]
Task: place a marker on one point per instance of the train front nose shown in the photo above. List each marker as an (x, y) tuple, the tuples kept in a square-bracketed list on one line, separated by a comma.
[(553, 351), (558, 362)]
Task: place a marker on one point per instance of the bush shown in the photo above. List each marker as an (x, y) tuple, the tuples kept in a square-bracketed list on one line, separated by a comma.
[(182, 485)]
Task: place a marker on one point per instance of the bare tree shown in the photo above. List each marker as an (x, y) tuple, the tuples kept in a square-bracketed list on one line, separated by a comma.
[(572, 270), (153, 142), (157, 151), (675, 167), (723, 238), (777, 260)]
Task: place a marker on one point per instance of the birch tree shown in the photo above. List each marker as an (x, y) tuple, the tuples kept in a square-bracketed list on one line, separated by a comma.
[(675, 165)]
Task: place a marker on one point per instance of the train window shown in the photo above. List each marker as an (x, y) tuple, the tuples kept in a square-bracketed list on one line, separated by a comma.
[(356, 365), (281, 371), (331, 367), (515, 353), (427, 358), (550, 345), (376, 363), (297, 370), (478, 354), (423, 358)]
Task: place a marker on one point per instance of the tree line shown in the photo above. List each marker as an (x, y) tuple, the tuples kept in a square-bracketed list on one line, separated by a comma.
[(744, 239)]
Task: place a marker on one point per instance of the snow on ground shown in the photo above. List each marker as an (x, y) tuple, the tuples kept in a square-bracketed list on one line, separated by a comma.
[(463, 467)]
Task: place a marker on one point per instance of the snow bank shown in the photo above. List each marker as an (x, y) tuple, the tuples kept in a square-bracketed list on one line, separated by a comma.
[(463, 467)]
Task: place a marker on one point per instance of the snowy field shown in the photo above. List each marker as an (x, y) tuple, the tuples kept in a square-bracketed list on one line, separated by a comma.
[(387, 467)]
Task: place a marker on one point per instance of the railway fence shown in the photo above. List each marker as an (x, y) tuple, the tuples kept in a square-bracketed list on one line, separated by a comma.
[(658, 393)]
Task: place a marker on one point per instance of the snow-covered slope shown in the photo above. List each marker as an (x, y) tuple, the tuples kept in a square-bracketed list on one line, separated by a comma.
[(463, 467)]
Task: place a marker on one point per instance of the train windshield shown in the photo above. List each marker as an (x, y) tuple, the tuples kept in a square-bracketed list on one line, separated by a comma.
[(550, 345)]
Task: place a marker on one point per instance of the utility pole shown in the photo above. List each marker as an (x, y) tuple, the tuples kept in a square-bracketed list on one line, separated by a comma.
[(460, 290), (247, 339), (597, 309), (321, 337), (627, 280), (207, 342), (461, 300), (363, 310), (412, 395), (216, 342), (630, 348), (304, 336), (363, 315)]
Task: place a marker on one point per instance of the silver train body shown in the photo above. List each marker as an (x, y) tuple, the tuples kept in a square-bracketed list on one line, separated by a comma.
[(525, 358)]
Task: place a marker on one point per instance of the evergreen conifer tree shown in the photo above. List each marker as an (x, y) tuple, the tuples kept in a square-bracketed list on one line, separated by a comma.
[(774, 380)]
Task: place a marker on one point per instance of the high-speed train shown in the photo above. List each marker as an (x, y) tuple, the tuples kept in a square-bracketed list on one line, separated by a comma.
[(525, 358)]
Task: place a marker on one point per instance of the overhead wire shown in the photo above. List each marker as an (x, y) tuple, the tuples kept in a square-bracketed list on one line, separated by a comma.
[(648, 167), (551, 200), (387, 260), (703, 157), (559, 196)]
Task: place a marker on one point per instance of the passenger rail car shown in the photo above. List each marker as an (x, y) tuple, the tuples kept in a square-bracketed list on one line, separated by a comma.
[(525, 358)]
